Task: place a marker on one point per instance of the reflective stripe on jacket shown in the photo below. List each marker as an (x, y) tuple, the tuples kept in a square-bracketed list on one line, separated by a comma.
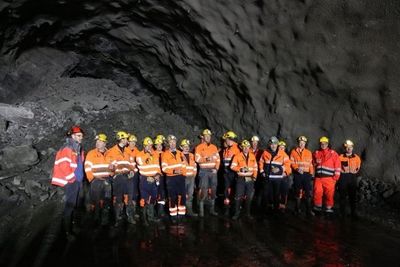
[(65, 165), (228, 154), (191, 166), (240, 161), (207, 156), (302, 159), (171, 163), (280, 161), (148, 163), (350, 164), (327, 163), (118, 158), (96, 165)]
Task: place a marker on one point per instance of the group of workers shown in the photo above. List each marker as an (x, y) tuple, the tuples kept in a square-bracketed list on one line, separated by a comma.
[(163, 177)]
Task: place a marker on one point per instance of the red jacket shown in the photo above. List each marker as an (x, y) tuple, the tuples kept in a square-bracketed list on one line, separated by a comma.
[(327, 164), (64, 166)]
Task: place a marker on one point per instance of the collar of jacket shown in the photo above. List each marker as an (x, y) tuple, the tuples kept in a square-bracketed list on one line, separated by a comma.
[(74, 145)]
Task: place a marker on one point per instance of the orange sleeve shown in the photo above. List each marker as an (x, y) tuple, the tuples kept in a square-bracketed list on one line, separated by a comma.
[(293, 160), (261, 163), (88, 167), (235, 164), (255, 169), (218, 160)]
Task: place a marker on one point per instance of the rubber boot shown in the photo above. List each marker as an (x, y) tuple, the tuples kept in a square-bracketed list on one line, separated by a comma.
[(237, 210), (160, 211), (130, 214), (248, 209), (189, 210), (145, 215), (135, 214), (309, 208), (201, 208), (105, 215), (297, 209), (117, 214), (151, 214), (212, 208), (67, 225)]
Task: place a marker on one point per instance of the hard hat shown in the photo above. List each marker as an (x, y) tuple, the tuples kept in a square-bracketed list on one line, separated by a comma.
[(132, 138), (302, 138), (324, 139), (255, 138), (348, 143), (171, 137), (158, 141), (185, 142), (121, 135), (161, 137), (282, 143), (101, 137), (206, 132), (229, 135), (245, 143), (147, 141), (75, 129), (273, 140)]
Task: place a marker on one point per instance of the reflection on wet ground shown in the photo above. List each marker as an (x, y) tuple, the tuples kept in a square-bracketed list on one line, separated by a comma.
[(275, 241)]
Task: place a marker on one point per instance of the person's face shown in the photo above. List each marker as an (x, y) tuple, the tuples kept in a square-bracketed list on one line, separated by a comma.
[(273, 146), (302, 144), (185, 149), (349, 150), (254, 144), (246, 150), (324, 145), (159, 147), (100, 145), (123, 142), (132, 144), (229, 142), (78, 137), (207, 138), (172, 144), (282, 147), (147, 148)]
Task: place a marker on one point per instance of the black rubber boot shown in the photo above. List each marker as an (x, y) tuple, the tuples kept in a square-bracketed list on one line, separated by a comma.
[(160, 211), (105, 215), (237, 210), (248, 209), (212, 208), (201, 208), (297, 209), (309, 208), (117, 214), (130, 214), (189, 210), (151, 214), (145, 215)]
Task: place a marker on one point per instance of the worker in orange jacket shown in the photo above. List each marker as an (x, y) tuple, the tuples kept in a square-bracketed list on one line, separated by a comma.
[(347, 185), (244, 165), (207, 157), (149, 168), (327, 172), (68, 173), (121, 168), (274, 166), (98, 175), (174, 167), (303, 170), (131, 150), (228, 153), (159, 145), (191, 171)]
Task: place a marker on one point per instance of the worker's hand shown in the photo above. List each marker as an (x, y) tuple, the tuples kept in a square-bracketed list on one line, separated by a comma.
[(111, 167), (214, 171), (157, 177), (300, 170)]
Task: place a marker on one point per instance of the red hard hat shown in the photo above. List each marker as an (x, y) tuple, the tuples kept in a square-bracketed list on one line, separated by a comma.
[(75, 129)]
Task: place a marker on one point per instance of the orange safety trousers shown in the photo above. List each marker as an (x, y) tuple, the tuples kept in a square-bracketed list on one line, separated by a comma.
[(324, 189)]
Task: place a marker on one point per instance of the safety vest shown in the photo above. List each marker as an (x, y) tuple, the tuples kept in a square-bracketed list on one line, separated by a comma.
[(65, 165), (96, 166), (171, 163), (228, 154), (302, 159), (240, 161), (191, 166), (148, 163), (207, 156), (327, 163), (350, 164), (132, 157), (257, 153), (280, 160), (120, 160)]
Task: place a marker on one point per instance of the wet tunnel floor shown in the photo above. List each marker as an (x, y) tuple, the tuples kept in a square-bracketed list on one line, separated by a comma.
[(283, 240)]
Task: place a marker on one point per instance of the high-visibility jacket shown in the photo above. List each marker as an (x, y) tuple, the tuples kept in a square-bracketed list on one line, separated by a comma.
[(191, 166), (119, 158), (280, 160), (171, 163), (350, 164), (228, 154), (65, 165), (96, 166), (207, 156), (257, 153), (148, 163), (302, 159), (241, 161), (327, 163), (132, 156)]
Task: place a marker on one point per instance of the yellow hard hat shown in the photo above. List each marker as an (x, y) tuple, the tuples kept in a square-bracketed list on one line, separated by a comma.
[(230, 135), (245, 143), (161, 137), (147, 141), (206, 132), (101, 137), (324, 139), (282, 143), (185, 142), (302, 138), (132, 138), (121, 135), (255, 138), (348, 143), (158, 141), (171, 137)]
